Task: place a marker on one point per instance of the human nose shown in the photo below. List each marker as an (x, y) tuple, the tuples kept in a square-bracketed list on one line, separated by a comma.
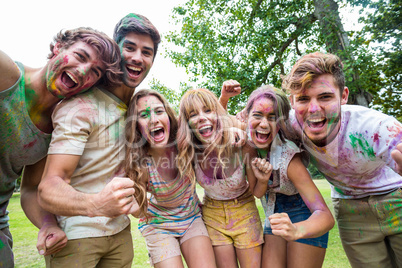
[(136, 56), (313, 106), (264, 123)]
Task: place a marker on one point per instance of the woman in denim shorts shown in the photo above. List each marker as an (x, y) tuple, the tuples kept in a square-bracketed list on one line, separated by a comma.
[(296, 225)]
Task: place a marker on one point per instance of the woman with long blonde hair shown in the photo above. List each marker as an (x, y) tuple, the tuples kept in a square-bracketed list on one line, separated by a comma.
[(206, 155), (170, 220)]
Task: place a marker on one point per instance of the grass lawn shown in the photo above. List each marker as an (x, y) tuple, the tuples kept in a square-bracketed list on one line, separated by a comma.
[(25, 234)]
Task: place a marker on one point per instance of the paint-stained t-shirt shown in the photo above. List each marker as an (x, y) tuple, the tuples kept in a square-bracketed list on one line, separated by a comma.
[(22, 143), (358, 162), (91, 125)]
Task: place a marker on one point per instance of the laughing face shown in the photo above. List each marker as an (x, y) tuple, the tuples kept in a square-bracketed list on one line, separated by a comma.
[(262, 123), (73, 70), (153, 121), (203, 122), (318, 109), (137, 53)]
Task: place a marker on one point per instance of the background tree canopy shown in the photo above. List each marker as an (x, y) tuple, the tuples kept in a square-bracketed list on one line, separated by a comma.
[(256, 41)]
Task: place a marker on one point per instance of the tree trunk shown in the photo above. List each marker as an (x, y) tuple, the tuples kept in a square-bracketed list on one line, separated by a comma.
[(337, 43)]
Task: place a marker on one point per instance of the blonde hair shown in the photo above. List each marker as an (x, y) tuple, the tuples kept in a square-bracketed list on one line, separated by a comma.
[(188, 144), (137, 146)]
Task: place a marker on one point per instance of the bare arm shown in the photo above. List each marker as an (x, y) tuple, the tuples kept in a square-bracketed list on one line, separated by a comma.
[(51, 238), (9, 72), (321, 220), (230, 88), (59, 197)]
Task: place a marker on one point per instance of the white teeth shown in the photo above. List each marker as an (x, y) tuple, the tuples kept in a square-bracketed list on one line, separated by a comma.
[(156, 129), (316, 120), (71, 77), (262, 132), (205, 127), (134, 68)]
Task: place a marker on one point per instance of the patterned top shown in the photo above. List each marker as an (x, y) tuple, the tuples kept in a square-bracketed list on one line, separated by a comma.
[(357, 163), (172, 207), (22, 143), (280, 156), (223, 189)]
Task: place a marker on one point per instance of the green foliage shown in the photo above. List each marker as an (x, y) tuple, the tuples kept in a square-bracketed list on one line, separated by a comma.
[(255, 42), (250, 41), (383, 24)]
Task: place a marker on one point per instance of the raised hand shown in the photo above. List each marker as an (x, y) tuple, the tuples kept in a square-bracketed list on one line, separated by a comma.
[(262, 169)]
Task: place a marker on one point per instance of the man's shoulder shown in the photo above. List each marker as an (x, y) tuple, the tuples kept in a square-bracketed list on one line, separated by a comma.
[(362, 114)]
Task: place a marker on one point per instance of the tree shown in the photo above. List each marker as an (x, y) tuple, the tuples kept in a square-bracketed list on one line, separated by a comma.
[(255, 42), (384, 24)]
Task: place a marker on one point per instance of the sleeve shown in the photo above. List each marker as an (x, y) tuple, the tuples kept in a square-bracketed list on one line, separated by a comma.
[(72, 125), (387, 135)]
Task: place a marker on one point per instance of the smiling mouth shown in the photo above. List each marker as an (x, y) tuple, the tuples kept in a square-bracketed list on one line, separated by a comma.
[(68, 80), (158, 134), (134, 71), (316, 123), (206, 131), (262, 136)]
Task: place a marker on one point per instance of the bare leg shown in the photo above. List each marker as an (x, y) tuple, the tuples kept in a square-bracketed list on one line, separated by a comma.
[(171, 262), (225, 256), (198, 252), (302, 255), (274, 252), (250, 257)]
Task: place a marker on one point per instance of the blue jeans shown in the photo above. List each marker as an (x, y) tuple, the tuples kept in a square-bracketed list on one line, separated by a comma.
[(297, 210)]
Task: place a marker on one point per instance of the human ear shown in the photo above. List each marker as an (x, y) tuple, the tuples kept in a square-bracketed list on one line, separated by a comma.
[(345, 95)]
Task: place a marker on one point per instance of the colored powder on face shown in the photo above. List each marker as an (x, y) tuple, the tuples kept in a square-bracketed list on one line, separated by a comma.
[(1, 244), (357, 141), (65, 59), (148, 110)]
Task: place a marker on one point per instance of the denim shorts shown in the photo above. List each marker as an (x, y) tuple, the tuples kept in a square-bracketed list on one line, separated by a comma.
[(297, 210)]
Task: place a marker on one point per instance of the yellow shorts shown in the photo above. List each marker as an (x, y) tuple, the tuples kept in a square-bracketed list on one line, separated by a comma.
[(234, 221)]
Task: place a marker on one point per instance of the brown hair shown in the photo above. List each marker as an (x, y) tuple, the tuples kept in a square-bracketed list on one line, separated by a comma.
[(107, 49), (309, 67), (137, 147)]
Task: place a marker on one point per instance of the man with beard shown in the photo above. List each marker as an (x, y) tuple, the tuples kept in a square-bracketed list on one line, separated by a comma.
[(84, 179), (79, 58), (358, 150)]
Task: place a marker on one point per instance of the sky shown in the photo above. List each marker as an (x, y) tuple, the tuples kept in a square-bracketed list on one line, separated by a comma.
[(27, 28)]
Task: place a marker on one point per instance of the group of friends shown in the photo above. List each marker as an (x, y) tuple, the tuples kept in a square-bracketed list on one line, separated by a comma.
[(91, 150)]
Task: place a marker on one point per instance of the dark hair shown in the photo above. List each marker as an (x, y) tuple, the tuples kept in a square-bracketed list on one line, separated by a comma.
[(309, 67), (107, 49), (281, 106), (139, 24)]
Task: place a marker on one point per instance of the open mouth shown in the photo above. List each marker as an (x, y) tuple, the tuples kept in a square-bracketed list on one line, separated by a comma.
[(134, 71), (262, 136), (206, 131), (68, 80), (158, 134), (316, 123)]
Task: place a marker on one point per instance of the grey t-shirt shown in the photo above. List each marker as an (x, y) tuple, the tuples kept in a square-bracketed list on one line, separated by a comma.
[(21, 142)]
